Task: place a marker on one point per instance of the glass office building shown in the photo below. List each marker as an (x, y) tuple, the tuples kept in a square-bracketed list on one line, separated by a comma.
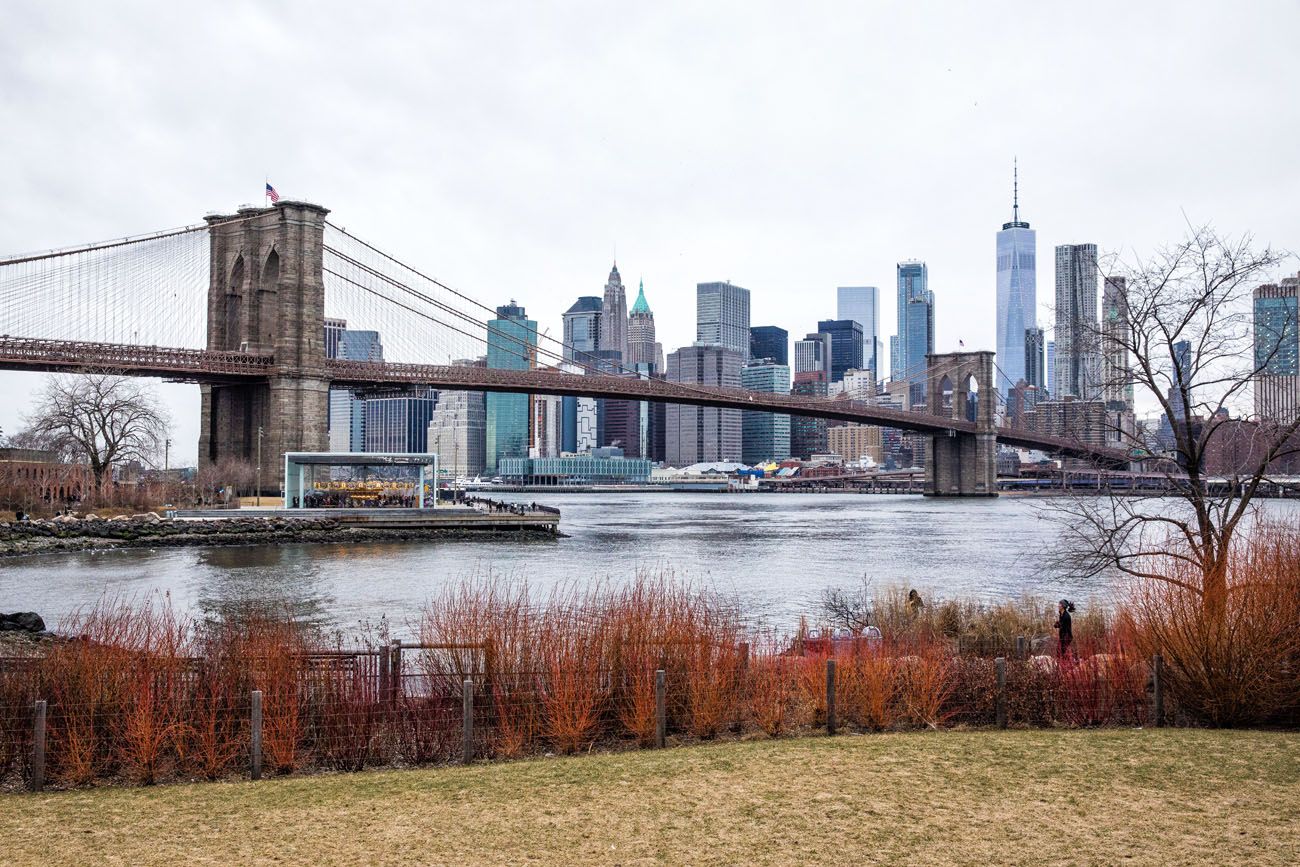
[(722, 316), (862, 305), (511, 345), (846, 345), (769, 341), (399, 423), (603, 466), (1017, 296), (1277, 350), (765, 435)]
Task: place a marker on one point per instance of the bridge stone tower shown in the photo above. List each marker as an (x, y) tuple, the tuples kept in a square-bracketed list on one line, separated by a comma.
[(962, 464), (267, 296)]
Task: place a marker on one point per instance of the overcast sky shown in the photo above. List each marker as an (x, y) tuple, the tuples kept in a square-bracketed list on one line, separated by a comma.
[(508, 148)]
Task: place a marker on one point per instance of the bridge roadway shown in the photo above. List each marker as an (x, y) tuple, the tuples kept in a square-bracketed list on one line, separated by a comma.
[(199, 365)]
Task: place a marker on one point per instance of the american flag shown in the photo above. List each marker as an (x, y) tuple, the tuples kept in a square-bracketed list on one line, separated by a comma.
[(271, 193)]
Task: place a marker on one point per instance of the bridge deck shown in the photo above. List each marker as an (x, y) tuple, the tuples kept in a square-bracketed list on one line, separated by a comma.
[(200, 365)]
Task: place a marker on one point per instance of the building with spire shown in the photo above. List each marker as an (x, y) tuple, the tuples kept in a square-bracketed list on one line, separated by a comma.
[(1017, 293), (641, 345), (613, 325)]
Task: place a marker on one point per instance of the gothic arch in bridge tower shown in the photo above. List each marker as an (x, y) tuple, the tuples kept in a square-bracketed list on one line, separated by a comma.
[(267, 323), (234, 301), (972, 388)]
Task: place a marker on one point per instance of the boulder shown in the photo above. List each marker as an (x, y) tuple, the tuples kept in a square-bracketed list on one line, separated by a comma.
[(25, 621)]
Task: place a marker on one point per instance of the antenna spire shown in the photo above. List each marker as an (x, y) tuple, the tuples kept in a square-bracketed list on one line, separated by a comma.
[(1015, 190)]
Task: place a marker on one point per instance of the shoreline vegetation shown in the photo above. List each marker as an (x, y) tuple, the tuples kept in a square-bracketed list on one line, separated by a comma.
[(141, 693), (148, 530)]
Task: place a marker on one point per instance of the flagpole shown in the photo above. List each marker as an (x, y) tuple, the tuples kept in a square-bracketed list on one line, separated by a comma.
[(266, 195)]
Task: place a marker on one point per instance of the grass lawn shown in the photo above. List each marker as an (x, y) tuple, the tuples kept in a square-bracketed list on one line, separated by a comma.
[(1063, 797)]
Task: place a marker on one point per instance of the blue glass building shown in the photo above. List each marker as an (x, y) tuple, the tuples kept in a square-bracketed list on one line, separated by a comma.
[(511, 345), (846, 345), (1017, 296)]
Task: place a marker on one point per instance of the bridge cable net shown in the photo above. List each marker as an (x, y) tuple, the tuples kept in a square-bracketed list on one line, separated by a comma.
[(145, 291)]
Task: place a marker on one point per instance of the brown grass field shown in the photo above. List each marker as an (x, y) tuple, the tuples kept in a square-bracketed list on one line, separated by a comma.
[(1170, 796)]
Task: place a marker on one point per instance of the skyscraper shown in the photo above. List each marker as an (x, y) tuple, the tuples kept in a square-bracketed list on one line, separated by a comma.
[(1017, 294), (1116, 378), (722, 316), (913, 282), (919, 330), (1078, 349), (347, 412), (457, 432), (765, 435), (582, 327), (613, 315), (915, 328), (641, 345), (581, 342), (1277, 350), (862, 305), (1035, 374), (846, 345), (1049, 368), (399, 422), (695, 434), (812, 358), (808, 433), (511, 345), (1179, 385), (769, 341)]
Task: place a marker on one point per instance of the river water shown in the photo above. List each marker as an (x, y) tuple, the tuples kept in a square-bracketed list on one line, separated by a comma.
[(775, 553)]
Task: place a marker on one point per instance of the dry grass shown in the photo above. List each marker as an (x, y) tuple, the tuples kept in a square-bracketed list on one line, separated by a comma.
[(1080, 797)]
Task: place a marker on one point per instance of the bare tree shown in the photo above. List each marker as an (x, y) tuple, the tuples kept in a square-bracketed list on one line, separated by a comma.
[(1186, 334), (99, 418)]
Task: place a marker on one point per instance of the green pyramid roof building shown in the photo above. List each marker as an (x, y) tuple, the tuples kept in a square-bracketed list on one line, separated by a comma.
[(641, 306)]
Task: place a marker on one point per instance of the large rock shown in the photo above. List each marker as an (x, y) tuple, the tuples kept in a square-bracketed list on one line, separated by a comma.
[(25, 621)]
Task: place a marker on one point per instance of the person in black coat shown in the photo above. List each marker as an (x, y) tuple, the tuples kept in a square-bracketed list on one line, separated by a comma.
[(1064, 628)]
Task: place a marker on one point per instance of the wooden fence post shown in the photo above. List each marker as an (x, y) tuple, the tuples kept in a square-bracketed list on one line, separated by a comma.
[(1158, 688), (1020, 647), (255, 734), (383, 660), (1000, 666), (661, 710), (38, 747), (395, 670), (830, 696), (467, 721)]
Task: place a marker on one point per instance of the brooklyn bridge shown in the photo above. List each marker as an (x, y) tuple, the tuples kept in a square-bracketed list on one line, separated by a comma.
[(238, 305)]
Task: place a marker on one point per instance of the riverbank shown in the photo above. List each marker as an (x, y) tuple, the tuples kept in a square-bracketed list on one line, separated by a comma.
[(1101, 796), (148, 530)]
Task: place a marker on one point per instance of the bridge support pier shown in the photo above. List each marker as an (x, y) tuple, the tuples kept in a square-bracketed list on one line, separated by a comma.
[(961, 464), (291, 413)]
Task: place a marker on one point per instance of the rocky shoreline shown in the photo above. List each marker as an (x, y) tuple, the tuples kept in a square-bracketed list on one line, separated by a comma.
[(148, 530)]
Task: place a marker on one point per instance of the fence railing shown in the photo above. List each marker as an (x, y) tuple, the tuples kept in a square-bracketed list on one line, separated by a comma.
[(429, 703)]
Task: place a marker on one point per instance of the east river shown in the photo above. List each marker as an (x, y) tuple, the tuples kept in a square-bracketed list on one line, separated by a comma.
[(774, 553)]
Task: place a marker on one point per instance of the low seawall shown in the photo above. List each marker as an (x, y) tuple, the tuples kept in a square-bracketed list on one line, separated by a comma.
[(267, 528)]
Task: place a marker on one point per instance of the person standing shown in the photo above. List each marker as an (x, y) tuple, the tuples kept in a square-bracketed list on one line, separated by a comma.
[(1064, 628)]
